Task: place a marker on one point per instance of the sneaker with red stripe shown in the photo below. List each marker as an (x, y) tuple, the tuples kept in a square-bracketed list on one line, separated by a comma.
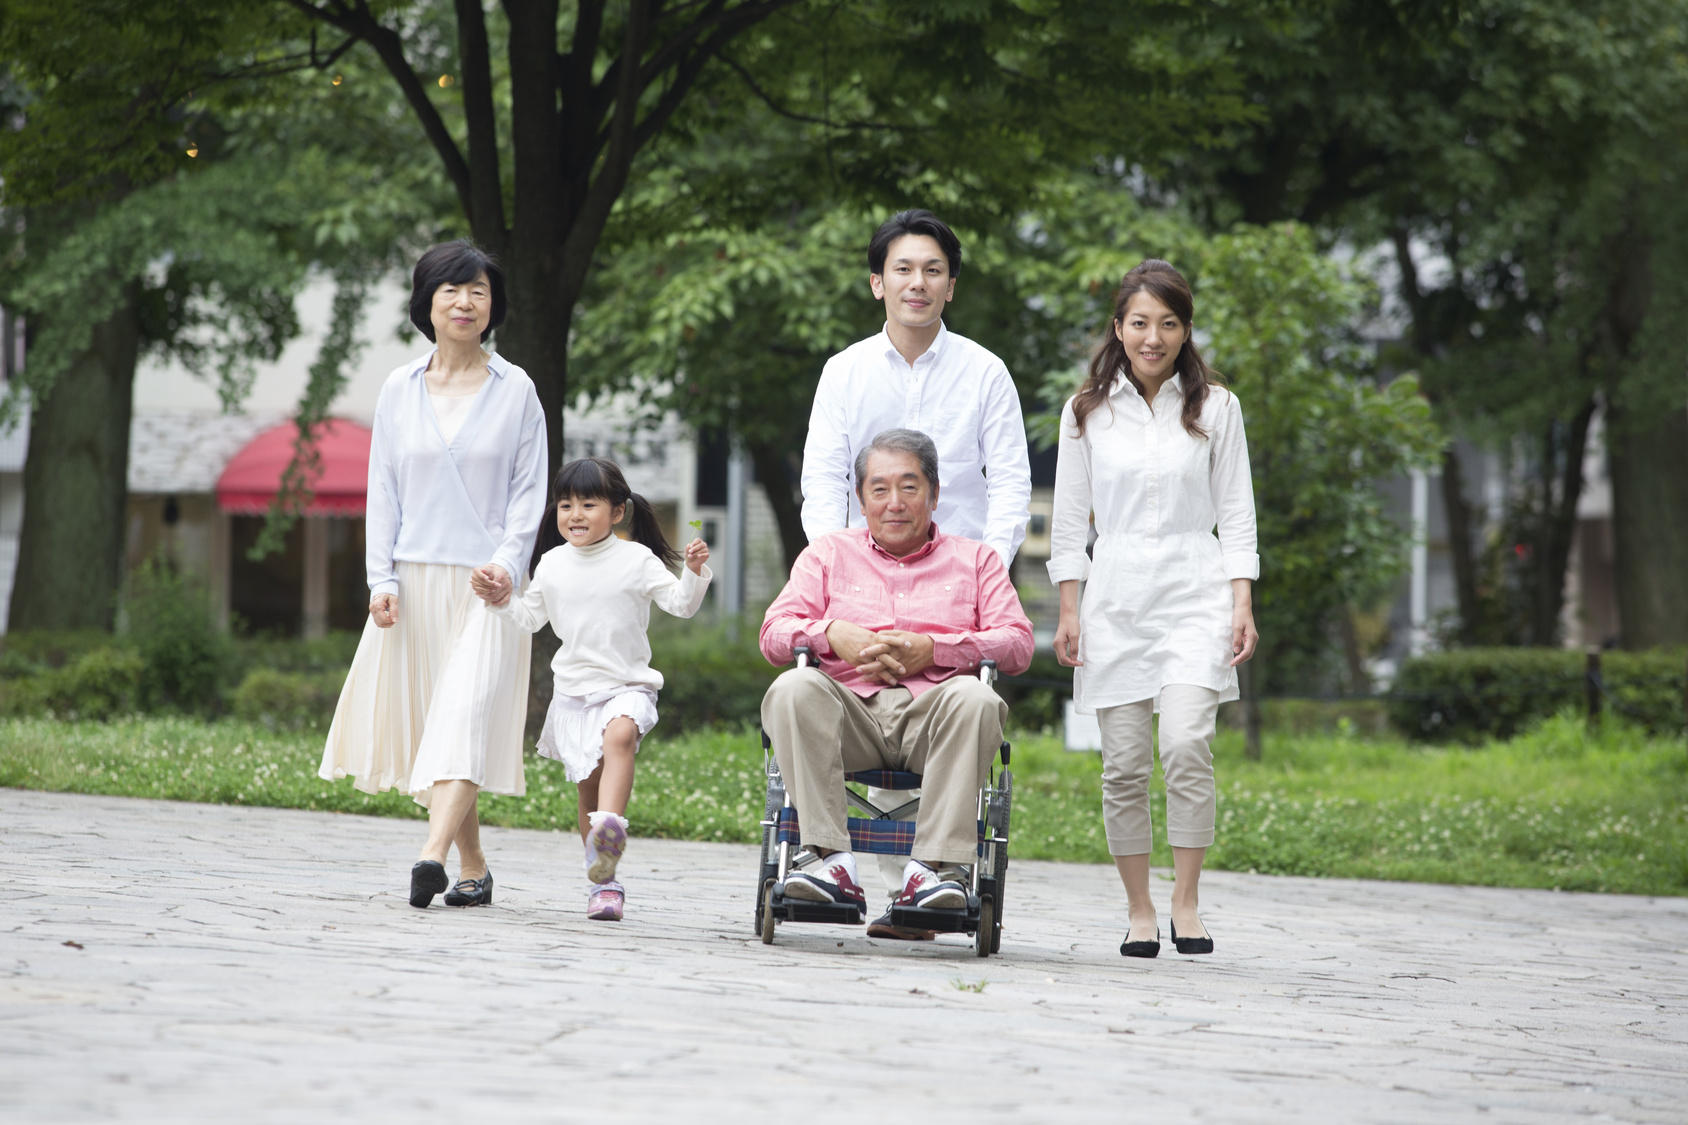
[(833, 881), (922, 887)]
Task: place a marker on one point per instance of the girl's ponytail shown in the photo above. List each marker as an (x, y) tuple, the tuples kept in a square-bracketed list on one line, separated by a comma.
[(647, 531)]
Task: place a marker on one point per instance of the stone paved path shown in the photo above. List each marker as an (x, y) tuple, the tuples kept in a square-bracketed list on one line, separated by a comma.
[(170, 962)]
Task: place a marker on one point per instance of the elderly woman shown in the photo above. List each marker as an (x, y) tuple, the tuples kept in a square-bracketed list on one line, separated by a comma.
[(437, 693)]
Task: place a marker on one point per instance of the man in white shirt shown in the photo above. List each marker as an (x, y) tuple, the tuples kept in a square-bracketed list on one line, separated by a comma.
[(916, 374)]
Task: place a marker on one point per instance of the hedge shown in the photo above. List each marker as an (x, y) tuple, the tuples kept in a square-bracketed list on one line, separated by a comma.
[(1470, 694)]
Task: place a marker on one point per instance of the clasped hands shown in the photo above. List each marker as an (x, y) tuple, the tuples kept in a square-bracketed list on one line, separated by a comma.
[(887, 656)]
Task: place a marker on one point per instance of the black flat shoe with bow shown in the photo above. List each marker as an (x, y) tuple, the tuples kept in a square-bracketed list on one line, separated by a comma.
[(471, 892)]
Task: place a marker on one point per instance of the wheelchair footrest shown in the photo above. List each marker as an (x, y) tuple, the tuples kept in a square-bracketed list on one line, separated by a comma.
[(802, 910), (964, 921)]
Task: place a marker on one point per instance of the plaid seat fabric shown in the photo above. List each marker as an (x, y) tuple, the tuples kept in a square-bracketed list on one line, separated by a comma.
[(885, 779), (876, 835)]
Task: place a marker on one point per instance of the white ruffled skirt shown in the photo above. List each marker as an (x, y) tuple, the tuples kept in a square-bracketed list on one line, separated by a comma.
[(574, 726), (440, 696)]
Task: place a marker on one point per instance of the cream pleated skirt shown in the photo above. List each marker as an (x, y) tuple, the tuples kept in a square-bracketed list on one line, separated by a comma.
[(440, 696)]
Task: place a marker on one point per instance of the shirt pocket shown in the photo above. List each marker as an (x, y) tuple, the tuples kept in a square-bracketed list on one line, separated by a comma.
[(859, 603), (941, 607)]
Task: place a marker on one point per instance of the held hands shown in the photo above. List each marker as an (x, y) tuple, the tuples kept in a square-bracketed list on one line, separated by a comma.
[(697, 553), (384, 610), (491, 583), (888, 656), (1066, 640)]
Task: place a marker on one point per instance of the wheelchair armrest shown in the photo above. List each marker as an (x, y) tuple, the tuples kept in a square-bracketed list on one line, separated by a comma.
[(803, 656), (987, 671)]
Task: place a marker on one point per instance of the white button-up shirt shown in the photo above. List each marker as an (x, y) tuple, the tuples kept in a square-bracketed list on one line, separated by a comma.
[(475, 499), (1157, 606), (959, 395)]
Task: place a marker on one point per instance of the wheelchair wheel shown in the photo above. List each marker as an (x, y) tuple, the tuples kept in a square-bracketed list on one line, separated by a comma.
[(765, 911), (996, 817), (766, 872), (984, 942)]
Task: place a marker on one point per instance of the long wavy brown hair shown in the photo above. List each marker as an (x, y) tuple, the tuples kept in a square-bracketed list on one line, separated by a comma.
[(1166, 285)]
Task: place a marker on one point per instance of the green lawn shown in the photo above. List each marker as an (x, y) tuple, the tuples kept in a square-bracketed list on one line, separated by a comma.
[(1554, 808)]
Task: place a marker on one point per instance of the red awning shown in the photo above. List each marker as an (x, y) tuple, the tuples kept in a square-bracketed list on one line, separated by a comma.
[(253, 476)]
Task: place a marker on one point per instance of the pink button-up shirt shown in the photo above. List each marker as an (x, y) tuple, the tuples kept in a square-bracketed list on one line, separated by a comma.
[(952, 589)]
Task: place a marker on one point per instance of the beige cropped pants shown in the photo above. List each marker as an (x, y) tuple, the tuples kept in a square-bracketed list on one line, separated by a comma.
[(948, 734), (1187, 721)]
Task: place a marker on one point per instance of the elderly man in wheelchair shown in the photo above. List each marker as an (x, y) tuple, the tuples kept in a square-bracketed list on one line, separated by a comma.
[(899, 618)]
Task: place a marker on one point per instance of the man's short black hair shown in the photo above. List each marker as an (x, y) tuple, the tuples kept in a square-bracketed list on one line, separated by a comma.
[(454, 263), (913, 221)]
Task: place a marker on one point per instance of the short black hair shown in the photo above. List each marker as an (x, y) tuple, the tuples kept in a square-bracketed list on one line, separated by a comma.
[(453, 263), (913, 221)]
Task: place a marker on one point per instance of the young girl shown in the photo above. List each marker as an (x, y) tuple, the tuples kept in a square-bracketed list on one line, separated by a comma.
[(596, 591)]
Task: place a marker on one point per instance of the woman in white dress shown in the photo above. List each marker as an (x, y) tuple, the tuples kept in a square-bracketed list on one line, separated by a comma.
[(436, 697), (1153, 446)]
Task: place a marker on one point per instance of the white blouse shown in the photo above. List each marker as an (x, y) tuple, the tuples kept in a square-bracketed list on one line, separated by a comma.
[(1157, 606), (598, 601), (475, 498)]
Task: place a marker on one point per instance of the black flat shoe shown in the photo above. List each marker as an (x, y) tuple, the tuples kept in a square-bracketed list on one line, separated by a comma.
[(471, 892), (1190, 944), (427, 879), (1129, 948)]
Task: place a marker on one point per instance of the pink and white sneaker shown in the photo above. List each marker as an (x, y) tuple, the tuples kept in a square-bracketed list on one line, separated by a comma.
[(606, 839), (606, 902), (922, 887), (833, 881)]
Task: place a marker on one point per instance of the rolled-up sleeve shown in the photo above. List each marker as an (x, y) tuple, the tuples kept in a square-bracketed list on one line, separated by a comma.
[(1233, 494), (1069, 525)]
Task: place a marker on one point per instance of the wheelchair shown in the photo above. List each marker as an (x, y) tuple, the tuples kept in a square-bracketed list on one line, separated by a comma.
[(886, 831)]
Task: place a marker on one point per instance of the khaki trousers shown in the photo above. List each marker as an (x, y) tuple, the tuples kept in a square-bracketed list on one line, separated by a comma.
[(1187, 721), (948, 734)]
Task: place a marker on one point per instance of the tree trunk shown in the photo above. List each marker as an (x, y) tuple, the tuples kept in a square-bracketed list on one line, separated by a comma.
[(1563, 459), (1457, 511), (535, 337), (773, 472), (1647, 453), (76, 486), (1649, 468)]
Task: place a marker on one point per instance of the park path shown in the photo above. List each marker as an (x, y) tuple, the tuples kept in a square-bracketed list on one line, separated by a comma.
[(174, 962)]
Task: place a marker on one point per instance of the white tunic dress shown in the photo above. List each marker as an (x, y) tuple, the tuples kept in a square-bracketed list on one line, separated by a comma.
[(1156, 609)]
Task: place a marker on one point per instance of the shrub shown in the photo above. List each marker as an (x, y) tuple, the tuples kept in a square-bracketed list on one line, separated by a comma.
[(1470, 694), (96, 685), (33, 651), (288, 700), (710, 678), (329, 653), (173, 628), (23, 695)]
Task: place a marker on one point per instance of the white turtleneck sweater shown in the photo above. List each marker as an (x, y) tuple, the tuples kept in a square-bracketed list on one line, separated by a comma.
[(598, 599)]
